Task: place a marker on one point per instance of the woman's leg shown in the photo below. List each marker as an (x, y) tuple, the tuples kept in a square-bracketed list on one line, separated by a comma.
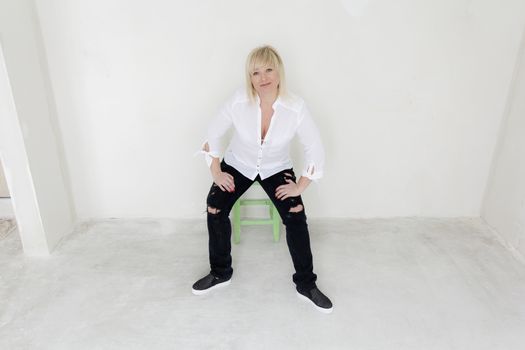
[(293, 215), (219, 204)]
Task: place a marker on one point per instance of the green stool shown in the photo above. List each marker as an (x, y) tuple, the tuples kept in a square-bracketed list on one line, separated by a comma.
[(274, 219)]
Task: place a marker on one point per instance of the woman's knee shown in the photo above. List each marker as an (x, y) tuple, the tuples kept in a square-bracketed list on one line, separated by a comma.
[(295, 217), (298, 208), (213, 210), (214, 199)]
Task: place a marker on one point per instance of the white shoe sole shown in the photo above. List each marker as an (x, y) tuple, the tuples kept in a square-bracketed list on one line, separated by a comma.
[(206, 291), (324, 311)]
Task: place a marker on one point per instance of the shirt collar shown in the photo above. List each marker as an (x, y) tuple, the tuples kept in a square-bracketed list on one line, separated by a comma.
[(278, 101)]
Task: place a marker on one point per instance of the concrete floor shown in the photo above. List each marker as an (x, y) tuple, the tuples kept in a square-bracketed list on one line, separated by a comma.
[(395, 283)]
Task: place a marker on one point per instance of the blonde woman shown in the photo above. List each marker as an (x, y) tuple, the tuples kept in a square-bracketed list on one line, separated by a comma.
[(265, 118)]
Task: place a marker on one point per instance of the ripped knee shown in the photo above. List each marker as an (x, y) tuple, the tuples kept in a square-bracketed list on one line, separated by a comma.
[(212, 210), (296, 209)]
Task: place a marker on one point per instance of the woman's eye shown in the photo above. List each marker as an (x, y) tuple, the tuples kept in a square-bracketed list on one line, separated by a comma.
[(269, 70), (255, 73)]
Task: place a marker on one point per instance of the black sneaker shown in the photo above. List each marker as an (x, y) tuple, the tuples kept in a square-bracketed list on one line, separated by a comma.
[(316, 297), (207, 283)]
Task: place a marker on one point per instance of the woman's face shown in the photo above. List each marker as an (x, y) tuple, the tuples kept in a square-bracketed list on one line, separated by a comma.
[(265, 79)]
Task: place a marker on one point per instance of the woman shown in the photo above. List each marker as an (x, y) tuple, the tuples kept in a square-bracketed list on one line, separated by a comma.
[(265, 119)]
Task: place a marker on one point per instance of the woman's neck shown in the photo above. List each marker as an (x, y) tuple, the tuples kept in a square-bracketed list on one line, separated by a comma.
[(269, 98)]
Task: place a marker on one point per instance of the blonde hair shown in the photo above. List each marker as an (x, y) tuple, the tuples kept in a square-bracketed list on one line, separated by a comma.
[(264, 56)]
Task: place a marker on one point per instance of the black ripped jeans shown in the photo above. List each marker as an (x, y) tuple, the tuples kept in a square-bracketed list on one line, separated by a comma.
[(219, 225)]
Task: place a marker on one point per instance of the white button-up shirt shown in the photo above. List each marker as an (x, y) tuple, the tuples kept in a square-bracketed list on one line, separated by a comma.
[(251, 155)]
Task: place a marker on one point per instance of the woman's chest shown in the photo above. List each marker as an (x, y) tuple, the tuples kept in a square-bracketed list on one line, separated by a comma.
[(255, 124), (266, 119)]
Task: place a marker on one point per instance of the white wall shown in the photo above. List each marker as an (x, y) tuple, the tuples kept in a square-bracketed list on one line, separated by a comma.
[(504, 205), (28, 140), (408, 96)]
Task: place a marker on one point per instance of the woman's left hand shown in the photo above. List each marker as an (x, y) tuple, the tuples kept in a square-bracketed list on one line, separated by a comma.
[(289, 190)]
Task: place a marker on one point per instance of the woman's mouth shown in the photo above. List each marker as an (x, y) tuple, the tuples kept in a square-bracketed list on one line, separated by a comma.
[(266, 84)]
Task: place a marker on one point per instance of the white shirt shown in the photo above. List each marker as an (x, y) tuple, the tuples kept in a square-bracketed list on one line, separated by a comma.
[(248, 153)]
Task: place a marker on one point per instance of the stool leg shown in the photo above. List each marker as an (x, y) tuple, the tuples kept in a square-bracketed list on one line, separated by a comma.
[(237, 222), (276, 223)]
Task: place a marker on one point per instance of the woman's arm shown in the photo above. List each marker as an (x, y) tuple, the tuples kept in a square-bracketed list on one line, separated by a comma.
[(303, 183), (222, 179), (313, 147), (314, 158), (212, 147)]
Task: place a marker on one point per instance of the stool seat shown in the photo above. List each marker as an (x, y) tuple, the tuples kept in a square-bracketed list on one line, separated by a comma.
[(274, 218)]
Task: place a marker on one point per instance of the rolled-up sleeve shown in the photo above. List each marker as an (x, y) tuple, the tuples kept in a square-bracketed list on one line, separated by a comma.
[(310, 139), (216, 130)]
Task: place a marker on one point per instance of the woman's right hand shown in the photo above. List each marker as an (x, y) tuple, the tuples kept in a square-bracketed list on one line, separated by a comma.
[(221, 179), (224, 181)]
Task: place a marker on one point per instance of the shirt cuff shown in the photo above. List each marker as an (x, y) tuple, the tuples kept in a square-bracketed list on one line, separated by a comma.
[(312, 172), (208, 156)]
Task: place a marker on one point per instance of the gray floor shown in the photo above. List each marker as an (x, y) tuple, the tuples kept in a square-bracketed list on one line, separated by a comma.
[(395, 283)]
